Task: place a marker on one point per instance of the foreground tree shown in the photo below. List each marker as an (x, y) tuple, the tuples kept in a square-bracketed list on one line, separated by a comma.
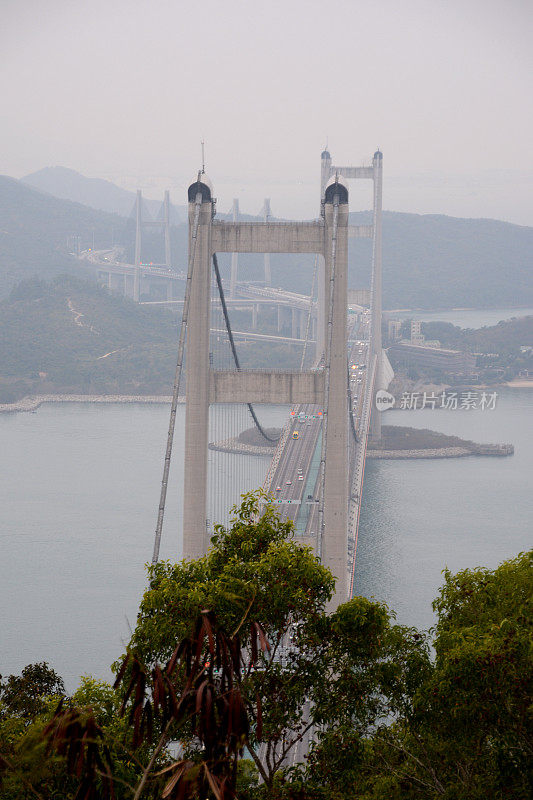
[(322, 673), (195, 695), (465, 729)]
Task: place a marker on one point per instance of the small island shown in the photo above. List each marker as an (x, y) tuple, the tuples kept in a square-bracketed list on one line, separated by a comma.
[(397, 441), (249, 443), (402, 442)]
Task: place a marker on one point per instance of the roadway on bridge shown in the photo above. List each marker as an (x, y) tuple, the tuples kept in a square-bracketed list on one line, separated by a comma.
[(291, 476), (295, 481)]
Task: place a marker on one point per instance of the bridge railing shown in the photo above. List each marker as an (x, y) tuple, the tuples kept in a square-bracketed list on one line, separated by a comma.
[(356, 486)]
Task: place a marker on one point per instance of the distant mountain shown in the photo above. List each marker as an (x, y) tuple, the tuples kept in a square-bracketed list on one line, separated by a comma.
[(436, 261), (429, 261), (38, 233), (68, 184)]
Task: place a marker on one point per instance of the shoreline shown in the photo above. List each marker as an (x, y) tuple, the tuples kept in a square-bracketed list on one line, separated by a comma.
[(32, 402), (499, 451)]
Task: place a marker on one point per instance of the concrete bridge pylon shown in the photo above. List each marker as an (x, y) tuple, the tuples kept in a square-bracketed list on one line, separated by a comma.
[(141, 223), (375, 173), (327, 237)]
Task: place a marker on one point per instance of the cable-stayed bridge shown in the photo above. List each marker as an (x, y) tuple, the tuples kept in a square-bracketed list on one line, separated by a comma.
[(317, 468)]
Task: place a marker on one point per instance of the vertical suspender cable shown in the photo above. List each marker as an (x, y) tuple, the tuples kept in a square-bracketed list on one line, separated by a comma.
[(177, 378), (309, 314), (320, 531)]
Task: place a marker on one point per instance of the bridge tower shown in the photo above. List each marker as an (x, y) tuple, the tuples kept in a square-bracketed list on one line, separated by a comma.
[(377, 166), (327, 237), (234, 256), (141, 223), (266, 214), (325, 175), (374, 231)]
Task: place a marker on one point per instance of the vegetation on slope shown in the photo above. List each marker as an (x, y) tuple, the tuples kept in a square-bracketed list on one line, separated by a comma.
[(73, 336)]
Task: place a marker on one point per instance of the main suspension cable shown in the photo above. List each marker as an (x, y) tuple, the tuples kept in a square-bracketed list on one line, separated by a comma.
[(177, 377), (261, 430)]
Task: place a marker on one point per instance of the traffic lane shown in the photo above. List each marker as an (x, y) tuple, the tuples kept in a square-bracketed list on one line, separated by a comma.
[(298, 455)]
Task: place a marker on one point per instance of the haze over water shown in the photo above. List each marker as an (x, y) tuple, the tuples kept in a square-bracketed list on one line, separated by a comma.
[(79, 494)]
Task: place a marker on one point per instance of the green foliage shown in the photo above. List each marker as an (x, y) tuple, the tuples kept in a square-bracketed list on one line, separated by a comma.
[(72, 336), (468, 733), (25, 696), (336, 671)]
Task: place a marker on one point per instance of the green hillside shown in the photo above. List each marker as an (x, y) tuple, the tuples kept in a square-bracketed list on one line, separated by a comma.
[(429, 261), (72, 336), (435, 261)]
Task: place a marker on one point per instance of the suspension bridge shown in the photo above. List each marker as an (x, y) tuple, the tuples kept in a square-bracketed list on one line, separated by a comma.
[(317, 467)]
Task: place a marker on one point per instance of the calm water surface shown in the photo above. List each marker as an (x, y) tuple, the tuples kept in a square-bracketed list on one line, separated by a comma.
[(79, 491), (421, 516)]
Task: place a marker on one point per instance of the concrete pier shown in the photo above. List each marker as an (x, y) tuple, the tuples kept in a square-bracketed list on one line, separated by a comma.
[(197, 388)]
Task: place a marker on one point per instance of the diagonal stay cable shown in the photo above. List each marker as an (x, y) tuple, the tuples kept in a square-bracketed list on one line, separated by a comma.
[(177, 377), (261, 430)]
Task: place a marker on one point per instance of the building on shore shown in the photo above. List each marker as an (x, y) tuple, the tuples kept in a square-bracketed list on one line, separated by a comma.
[(452, 362)]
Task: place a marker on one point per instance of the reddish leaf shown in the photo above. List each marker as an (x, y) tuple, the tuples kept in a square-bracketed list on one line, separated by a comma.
[(121, 672)]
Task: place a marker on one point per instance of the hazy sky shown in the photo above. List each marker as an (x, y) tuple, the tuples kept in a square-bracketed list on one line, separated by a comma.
[(126, 89)]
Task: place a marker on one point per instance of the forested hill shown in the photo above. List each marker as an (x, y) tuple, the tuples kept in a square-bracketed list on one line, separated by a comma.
[(435, 261), (70, 335), (429, 261), (37, 233)]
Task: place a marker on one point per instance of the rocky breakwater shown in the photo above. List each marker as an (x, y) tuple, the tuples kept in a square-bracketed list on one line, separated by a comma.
[(249, 443), (31, 403)]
